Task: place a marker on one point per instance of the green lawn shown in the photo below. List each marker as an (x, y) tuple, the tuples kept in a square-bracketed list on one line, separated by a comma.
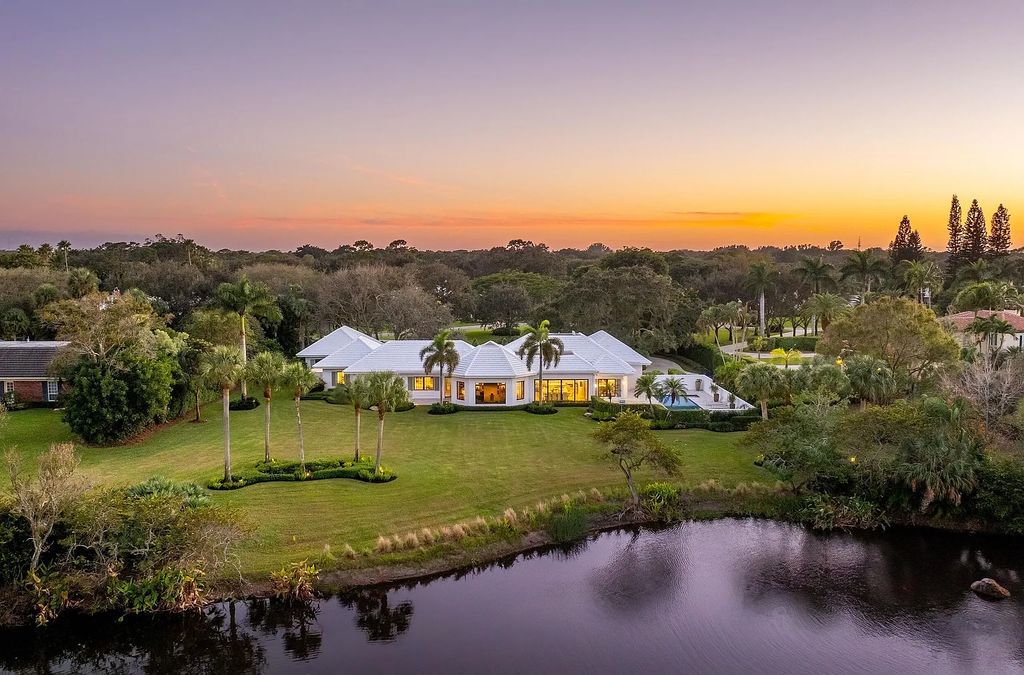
[(449, 468)]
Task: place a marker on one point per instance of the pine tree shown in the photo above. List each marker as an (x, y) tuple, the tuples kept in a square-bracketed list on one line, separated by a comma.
[(956, 237), (999, 236), (975, 239), (906, 245)]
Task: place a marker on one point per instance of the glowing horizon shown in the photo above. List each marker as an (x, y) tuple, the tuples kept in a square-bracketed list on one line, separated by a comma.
[(460, 126)]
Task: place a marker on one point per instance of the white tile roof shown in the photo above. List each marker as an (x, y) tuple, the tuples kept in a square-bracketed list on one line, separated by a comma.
[(333, 341), (619, 348), (582, 355), (490, 360), (349, 354), (400, 356)]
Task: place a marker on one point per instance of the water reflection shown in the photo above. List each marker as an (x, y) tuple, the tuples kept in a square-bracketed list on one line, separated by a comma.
[(375, 617)]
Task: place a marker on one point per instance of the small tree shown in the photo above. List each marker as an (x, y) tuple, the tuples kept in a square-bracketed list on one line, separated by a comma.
[(265, 371), (760, 382), (674, 388), (540, 346), (631, 443), (43, 500), (387, 392), (299, 379), (440, 354), (223, 369), (871, 379), (647, 386)]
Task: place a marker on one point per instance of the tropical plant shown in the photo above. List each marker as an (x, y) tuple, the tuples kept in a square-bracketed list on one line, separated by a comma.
[(991, 331), (246, 299), (265, 372), (824, 308), (64, 247), (922, 275), (993, 295), (674, 388), (647, 386), (761, 276), (818, 275), (631, 443), (387, 392), (299, 379), (356, 390), (223, 369), (760, 382), (871, 379), (440, 354), (541, 346), (864, 267)]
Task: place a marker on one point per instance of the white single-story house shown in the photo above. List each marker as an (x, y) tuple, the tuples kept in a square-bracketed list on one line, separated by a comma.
[(492, 374), (959, 322)]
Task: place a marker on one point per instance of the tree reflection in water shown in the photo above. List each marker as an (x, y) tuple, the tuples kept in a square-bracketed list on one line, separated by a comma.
[(376, 617), (296, 622)]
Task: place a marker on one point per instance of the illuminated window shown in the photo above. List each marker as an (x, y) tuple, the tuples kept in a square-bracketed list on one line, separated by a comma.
[(562, 390), (339, 378), (448, 387), (520, 390), (490, 393), (423, 383), (460, 390), (608, 387)]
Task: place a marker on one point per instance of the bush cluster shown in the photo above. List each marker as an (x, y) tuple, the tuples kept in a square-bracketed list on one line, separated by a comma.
[(804, 343), (268, 472), (446, 408), (537, 408), (247, 403)]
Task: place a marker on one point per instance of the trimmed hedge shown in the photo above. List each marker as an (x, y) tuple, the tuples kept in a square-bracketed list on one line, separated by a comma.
[(320, 469), (248, 403), (806, 343), (446, 408), (540, 408)]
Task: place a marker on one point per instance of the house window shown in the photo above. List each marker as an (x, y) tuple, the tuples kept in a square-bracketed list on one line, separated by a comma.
[(339, 378), (448, 387), (427, 383), (51, 390), (520, 390), (490, 393), (8, 387), (608, 387), (562, 390), (460, 390)]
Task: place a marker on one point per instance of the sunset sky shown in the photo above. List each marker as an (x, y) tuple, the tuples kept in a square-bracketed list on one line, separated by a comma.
[(466, 124)]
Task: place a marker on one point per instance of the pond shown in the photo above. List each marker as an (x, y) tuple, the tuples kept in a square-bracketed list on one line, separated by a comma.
[(725, 596)]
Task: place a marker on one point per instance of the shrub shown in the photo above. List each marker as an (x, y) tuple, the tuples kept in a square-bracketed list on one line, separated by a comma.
[(722, 426), (166, 590), (568, 523), (446, 408), (826, 512), (540, 408), (691, 418), (404, 407), (264, 472), (320, 395), (707, 356), (192, 495), (805, 343), (295, 581), (601, 416), (663, 424), (247, 403), (660, 500), (15, 549), (1000, 494)]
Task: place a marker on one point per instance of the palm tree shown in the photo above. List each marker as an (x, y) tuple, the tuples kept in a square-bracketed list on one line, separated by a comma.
[(64, 247), (247, 299), (647, 385), (440, 354), (986, 328), (358, 394), (387, 392), (760, 382), (223, 369), (265, 372), (674, 388), (979, 270), (827, 307), (864, 267), (760, 277), (715, 317), (919, 275), (870, 378), (985, 295), (300, 379), (539, 343), (818, 275)]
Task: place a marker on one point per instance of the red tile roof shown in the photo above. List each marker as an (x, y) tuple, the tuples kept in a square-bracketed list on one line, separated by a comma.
[(961, 320)]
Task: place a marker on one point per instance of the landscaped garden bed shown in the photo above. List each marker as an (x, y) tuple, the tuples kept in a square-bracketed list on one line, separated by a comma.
[(321, 469)]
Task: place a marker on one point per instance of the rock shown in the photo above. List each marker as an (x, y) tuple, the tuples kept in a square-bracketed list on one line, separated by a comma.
[(990, 588)]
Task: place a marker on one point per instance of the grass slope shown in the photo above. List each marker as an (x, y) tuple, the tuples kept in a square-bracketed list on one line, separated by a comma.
[(449, 467)]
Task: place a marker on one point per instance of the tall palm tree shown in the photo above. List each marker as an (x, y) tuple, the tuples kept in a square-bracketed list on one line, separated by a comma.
[(545, 349), (223, 369), (826, 307), (64, 247), (647, 385), (760, 382), (299, 379), (760, 277), (870, 378), (440, 354), (987, 328), (674, 388), (919, 275), (864, 267), (818, 275), (265, 372), (386, 392), (985, 295), (247, 299), (979, 270), (358, 393)]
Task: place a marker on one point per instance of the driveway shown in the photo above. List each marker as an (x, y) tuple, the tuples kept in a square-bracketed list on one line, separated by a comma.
[(664, 365)]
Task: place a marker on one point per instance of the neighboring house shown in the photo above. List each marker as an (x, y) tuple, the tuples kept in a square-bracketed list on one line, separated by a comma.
[(25, 371), (959, 322), (489, 374)]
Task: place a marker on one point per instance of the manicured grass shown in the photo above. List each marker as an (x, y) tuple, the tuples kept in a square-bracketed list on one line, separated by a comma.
[(450, 467)]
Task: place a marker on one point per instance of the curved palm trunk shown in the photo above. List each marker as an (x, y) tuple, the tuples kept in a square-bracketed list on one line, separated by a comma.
[(359, 417), (266, 429), (760, 309), (302, 444), (226, 401), (540, 379), (380, 440), (199, 417), (245, 357), (440, 385), (764, 408)]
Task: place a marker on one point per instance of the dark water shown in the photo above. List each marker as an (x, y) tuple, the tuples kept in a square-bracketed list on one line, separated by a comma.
[(728, 596)]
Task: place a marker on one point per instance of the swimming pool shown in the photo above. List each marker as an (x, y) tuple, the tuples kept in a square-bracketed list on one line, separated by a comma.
[(682, 403)]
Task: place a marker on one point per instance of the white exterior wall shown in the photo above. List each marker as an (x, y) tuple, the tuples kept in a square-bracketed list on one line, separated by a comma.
[(510, 391)]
